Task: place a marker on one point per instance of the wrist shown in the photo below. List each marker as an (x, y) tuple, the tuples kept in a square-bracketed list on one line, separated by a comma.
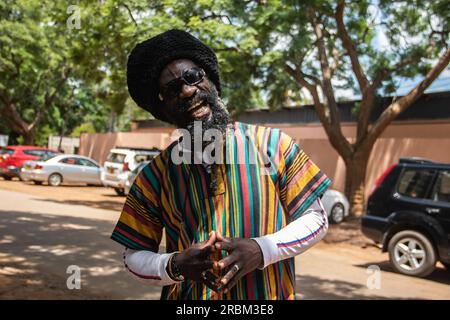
[(172, 268), (260, 253)]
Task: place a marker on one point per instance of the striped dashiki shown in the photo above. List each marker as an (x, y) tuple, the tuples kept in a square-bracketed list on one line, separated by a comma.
[(250, 201)]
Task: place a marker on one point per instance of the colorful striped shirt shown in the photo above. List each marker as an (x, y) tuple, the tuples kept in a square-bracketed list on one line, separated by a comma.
[(266, 182)]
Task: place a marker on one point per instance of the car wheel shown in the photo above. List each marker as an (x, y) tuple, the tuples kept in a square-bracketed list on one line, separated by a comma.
[(37, 182), (55, 179), (8, 178), (412, 253), (337, 213), (119, 191)]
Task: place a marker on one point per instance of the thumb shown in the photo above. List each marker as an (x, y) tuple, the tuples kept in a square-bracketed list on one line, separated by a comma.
[(212, 239), (220, 237)]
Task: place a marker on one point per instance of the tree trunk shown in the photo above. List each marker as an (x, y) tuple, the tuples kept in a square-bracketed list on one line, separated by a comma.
[(28, 137), (355, 180), (112, 121)]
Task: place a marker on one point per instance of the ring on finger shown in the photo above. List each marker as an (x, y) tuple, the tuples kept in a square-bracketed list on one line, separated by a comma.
[(235, 268)]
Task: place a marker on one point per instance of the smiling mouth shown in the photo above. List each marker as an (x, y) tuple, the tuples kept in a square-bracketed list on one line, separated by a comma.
[(199, 110)]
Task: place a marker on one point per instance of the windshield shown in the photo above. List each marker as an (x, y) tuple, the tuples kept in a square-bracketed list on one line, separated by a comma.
[(116, 157)]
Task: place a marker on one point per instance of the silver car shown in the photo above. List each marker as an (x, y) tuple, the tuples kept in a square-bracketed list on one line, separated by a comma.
[(336, 205), (67, 168)]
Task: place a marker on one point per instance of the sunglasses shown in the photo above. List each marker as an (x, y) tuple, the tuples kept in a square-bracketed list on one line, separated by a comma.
[(190, 77)]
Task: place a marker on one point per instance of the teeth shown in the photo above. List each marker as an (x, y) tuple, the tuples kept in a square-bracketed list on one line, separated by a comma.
[(195, 105)]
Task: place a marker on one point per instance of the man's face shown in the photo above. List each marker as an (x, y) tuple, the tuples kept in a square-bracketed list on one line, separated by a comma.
[(189, 102)]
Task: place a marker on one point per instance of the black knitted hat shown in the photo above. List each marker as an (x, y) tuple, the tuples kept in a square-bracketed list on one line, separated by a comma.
[(149, 58)]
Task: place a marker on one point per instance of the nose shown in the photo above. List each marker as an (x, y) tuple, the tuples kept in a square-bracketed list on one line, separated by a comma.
[(187, 91)]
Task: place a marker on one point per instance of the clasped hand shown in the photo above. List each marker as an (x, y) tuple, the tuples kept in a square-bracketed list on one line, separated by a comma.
[(201, 262)]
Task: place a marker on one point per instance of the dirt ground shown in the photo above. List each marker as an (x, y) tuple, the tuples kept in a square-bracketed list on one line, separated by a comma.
[(106, 198), (43, 227)]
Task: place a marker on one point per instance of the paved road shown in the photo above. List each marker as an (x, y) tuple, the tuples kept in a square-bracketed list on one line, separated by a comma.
[(41, 237)]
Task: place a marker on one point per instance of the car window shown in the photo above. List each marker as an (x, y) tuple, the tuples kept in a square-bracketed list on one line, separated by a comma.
[(85, 162), (441, 190), (116, 157), (415, 183), (143, 157), (68, 160), (6, 151), (48, 155), (35, 152)]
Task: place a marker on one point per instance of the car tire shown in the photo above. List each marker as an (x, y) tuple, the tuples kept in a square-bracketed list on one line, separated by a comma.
[(412, 253), (119, 191), (55, 179), (37, 182), (7, 178), (337, 213)]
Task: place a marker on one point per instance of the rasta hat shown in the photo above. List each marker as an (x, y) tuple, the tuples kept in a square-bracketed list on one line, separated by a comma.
[(148, 59)]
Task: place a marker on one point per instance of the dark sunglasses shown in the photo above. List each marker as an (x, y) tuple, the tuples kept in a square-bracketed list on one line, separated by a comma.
[(190, 77)]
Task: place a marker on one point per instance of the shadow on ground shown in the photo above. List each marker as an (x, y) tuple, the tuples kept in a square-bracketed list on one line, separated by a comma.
[(439, 275), (312, 288), (98, 204), (37, 249)]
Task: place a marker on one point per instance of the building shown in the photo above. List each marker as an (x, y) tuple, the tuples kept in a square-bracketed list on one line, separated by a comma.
[(423, 130)]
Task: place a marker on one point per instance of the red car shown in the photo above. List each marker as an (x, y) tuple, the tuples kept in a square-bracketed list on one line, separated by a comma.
[(12, 158)]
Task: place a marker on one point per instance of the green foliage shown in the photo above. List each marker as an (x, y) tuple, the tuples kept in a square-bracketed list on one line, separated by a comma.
[(83, 128), (85, 68)]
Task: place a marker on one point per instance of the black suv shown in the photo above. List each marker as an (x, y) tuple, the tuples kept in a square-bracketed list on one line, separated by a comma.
[(408, 213)]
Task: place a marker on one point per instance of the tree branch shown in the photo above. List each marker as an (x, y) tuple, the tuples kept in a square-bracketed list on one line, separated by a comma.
[(326, 73), (403, 103), (130, 13), (215, 16), (350, 48), (333, 132)]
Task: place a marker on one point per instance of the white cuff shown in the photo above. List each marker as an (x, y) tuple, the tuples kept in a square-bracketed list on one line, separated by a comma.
[(295, 238), (148, 266)]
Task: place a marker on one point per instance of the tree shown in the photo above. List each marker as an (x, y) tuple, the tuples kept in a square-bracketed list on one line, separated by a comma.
[(59, 64), (328, 45)]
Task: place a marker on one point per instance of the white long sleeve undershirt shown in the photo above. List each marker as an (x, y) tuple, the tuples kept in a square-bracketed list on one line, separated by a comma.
[(297, 237)]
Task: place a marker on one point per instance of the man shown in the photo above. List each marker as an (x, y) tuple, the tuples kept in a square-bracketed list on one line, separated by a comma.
[(234, 226)]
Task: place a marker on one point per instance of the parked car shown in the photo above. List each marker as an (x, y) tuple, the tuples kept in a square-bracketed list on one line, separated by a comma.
[(408, 213), (67, 168), (133, 174), (13, 157), (336, 205), (119, 164)]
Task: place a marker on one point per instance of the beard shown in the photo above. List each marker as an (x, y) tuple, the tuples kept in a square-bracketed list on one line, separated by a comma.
[(218, 119)]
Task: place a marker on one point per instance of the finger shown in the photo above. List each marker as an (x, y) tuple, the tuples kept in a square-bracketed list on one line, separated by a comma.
[(232, 283), (220, 237), (229, 275), (210, 280), (225, 262), (211, 240), (224, 245)]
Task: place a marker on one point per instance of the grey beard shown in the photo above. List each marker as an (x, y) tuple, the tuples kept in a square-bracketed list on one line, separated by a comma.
[(220, 120)]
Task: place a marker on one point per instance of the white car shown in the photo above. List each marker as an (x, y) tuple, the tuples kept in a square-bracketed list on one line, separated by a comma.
[(67, 168), (119, 165), (336, 205)]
